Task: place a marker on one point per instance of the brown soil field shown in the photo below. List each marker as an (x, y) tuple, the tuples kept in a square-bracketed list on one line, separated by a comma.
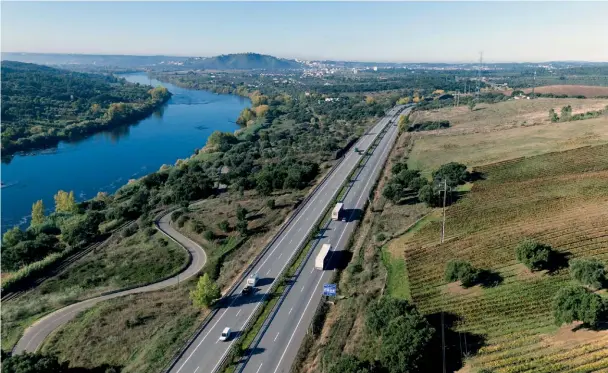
[(570, 90)]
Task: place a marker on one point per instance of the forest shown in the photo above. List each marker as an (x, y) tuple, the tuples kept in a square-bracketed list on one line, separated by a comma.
[(42, 105)]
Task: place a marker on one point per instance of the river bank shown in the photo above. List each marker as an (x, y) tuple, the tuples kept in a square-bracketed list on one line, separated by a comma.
[(105, 161)]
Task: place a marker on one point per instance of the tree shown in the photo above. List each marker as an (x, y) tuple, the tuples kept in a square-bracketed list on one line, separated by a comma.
[(271, 203), (427, 195), (37, 213), (398, 167), (417, 183), (553, 116), (454, 173), (33, 363), (579, 304), (224, 225), (241, 212), (533, 255), (350, 364), (463, 271), (206, 292), (64, 202), (380, 313), (13, 236), (590, 272), (404, 341), (471, 105), (566, 113), (82, 229), (393, 191)]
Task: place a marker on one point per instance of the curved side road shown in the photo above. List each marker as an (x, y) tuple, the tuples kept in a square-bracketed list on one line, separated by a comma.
[(34, 336)]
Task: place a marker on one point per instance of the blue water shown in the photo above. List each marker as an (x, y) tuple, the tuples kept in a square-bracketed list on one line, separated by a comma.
[(106, 161)]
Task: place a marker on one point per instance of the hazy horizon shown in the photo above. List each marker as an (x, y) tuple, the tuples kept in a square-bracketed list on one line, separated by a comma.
[(389, 32)]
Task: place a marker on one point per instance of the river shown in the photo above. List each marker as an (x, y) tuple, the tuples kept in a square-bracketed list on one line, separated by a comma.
[(107, 160)]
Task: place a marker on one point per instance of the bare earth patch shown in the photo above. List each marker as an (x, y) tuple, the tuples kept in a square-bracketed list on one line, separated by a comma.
[(570, 90), (456, 288), (573, 335)]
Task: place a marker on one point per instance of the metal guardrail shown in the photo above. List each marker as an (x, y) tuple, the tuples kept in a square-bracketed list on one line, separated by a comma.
[(275, 308), (257, 259), (244, 275), (356, 169)]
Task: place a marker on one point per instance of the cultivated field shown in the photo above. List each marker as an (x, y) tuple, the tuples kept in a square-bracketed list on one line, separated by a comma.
[(506, 114), (504, 131), (570, 90), (560, 199)]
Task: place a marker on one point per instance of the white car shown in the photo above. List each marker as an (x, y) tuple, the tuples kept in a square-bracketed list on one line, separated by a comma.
[(225, 334)]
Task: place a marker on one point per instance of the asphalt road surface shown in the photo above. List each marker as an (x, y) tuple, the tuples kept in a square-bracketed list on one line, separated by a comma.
[(206, 352), (281, 340), (34, 336)]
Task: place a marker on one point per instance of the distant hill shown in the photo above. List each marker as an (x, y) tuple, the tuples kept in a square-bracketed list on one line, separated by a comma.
[(239, 61), (242, 61)]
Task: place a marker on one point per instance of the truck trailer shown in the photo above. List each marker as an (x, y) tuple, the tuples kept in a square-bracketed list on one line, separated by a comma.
[(338, 211), (322, 257)]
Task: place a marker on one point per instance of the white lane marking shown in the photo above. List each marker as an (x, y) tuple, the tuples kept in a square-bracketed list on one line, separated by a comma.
[(217, 341), (257, 371), (280, 255), (313, 269), (302, 289), (291, 309), (239, 312), (317, 285), (290, 241), (275, 338), (298, 324), (197, 368), (310, 203), (269, 269)]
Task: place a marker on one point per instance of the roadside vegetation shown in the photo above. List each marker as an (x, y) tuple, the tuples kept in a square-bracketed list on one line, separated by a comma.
[(247, 183), (42, 105)]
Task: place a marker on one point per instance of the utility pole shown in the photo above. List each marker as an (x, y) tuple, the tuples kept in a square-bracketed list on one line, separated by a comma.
[(533, 84), (445, 192)]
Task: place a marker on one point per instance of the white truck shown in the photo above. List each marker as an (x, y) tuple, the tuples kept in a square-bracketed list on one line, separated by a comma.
[(252, 280), (337, 211), (322, 257)]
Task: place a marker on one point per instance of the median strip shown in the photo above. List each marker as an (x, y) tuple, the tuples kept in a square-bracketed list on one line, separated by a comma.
[(253, 331)]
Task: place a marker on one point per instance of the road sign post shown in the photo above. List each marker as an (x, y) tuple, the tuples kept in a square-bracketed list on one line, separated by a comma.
[(329, 290)]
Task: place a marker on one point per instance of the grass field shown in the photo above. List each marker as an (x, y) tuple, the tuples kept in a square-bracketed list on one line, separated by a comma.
[(148, 256), (482, 147), (137, 333), (560, 199)]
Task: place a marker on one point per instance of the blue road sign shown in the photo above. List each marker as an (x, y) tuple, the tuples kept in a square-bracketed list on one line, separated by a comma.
[(329, 290)]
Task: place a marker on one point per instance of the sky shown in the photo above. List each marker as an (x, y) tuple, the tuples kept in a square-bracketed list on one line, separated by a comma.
[(354, 31)]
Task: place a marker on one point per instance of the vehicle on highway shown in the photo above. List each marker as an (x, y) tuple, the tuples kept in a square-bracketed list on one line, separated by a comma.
[(338, 211), (225, 334), (252, 280), (248, 289), (322, 257)]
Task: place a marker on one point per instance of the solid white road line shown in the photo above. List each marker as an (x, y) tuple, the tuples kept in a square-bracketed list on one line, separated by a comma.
[(320, 278), (197, 368), (257, 371), (239, 312), (275, 338)]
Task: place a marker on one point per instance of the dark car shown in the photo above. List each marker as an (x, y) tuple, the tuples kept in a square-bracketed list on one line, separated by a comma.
[(247, 290)]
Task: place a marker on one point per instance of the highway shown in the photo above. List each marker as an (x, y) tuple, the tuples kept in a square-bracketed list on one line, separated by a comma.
[(34, 336), (280, 341), (206, 351)]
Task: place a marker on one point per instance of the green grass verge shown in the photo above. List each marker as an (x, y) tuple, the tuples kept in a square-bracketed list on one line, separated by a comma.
[(397, 283)]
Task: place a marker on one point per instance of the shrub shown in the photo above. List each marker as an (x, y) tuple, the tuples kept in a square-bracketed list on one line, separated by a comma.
[(150, 231), (463, 271), (590, 272), (271, 204), (380, 313), (181, 221), (350, 364), (533, 255), (208, 235), (128, 231), (380, 237), (224, 225), (579, 304)]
